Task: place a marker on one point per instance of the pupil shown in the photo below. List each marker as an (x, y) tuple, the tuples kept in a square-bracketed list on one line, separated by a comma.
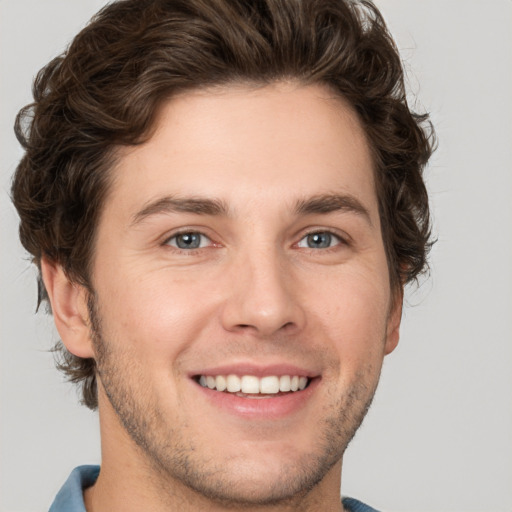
[(319, 240), (188, 241)]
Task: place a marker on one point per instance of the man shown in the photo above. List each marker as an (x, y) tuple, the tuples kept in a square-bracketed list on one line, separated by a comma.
[(225, 200)]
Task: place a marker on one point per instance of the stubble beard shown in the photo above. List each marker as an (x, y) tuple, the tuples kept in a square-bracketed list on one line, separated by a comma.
[(174, 457)]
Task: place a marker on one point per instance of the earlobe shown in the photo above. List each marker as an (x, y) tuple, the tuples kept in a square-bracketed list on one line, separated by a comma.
[(393, 327), (69, 306)]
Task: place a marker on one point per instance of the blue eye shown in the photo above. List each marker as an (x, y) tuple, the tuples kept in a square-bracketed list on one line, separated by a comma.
[(191, 240), (319, 240)]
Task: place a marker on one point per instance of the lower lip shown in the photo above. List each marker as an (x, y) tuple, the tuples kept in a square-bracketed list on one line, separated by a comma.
[(260, 408)]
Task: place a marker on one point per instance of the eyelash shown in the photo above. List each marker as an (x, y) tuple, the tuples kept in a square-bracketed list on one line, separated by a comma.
[(340, 240)]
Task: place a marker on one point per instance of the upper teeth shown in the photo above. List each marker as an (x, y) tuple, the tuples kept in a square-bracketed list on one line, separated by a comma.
[(251, 384)]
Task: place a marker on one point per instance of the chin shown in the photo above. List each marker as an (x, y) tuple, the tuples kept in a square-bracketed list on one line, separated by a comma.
[(255, 484), (261, 477)]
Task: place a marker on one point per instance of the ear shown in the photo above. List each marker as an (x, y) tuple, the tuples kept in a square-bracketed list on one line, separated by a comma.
[(69, 306), (394, 320)]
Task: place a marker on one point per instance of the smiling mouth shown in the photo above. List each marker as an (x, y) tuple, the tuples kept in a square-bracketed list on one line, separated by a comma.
[(250, 386)]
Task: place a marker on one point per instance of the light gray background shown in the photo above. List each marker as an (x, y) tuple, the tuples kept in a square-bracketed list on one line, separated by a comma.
[(439, 436)]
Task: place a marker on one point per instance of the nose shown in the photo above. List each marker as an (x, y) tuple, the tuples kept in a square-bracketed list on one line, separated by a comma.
[(263, 296)]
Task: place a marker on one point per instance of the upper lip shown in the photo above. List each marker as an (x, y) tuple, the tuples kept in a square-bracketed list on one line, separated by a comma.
[(258, 370)]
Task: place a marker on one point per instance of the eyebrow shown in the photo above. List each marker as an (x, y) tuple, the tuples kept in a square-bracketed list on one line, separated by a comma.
[(319, 204), (329, 203), (170, 204)]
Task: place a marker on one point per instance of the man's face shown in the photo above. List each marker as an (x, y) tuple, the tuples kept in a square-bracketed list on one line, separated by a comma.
[(242, 242)]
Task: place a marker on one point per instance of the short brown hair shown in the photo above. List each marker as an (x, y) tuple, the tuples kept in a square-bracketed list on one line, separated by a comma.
[(105, 90)]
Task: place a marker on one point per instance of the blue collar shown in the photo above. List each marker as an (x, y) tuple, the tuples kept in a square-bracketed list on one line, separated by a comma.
[(70, 498)]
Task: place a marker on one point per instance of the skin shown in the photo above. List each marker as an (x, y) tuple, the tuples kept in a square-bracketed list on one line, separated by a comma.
[(255, 291)]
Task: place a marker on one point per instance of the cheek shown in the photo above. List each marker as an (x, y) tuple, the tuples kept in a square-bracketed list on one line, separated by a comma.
[(353, 308), (154, 314)]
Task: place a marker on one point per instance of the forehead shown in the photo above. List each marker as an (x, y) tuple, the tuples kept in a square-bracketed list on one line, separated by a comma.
[(248, 146)]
